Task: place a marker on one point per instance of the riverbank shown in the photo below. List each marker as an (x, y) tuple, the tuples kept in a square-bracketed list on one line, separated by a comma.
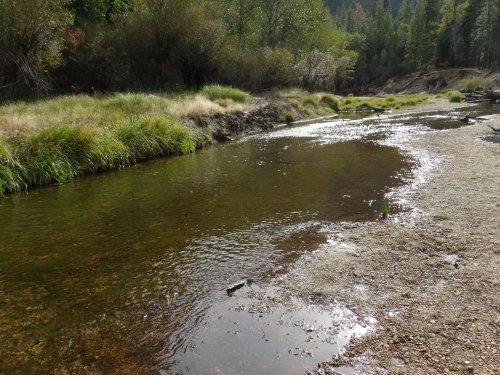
[(57, 140), (431, 281)]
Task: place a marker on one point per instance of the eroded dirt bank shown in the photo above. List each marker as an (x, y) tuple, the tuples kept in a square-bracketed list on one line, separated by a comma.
[(431, 281)]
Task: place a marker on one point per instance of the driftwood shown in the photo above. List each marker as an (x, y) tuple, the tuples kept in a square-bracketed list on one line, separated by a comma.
[(486, 97), (492, 95)]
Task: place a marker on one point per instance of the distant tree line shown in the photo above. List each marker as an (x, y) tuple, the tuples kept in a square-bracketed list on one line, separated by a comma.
[(85, 45), (110, 45), (422, 34)]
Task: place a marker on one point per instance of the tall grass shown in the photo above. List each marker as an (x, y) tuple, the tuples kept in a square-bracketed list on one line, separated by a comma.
[(60, 153), (330, 102), (214, 92), (476, 84), (455, 97), (10, 179)]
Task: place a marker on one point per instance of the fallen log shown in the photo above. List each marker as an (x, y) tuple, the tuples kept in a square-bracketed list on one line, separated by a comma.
[(492, 95)]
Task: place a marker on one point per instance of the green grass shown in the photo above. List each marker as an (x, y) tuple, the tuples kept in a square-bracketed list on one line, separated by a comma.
[(214, 92), (56, 140), (310, 100), (476, 84), (384, 208), (330, 102), (455, 97), (60, 153), (351, 103)]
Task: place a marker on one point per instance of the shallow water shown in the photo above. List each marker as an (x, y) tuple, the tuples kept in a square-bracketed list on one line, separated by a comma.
[(126, 272)]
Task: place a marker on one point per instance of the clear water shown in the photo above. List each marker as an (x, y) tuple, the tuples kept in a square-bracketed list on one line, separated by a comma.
[(125, 272)]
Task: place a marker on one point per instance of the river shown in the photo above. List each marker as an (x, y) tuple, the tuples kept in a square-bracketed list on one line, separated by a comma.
[(126, 272)]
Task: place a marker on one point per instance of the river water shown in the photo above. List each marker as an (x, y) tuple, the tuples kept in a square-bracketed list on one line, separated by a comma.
[(126, 272)]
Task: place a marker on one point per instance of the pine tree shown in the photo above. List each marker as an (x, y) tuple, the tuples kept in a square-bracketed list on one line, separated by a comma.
[(484, 42)]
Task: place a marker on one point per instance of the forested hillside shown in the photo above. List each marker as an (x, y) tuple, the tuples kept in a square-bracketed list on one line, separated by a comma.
[(336, 5), (111, 45), (421, 35)]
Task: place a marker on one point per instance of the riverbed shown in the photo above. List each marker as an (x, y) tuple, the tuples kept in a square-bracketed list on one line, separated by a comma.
[(126, 272)]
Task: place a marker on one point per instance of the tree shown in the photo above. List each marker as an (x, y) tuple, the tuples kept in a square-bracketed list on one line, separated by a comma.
[(421, 43), (32, 41), (484, 40)]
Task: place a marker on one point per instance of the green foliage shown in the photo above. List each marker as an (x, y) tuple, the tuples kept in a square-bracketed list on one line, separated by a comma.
[(31, 41), (215, 92), (455, 97), (130, 104), (384, 208), (9, 169), (310, 100), (59, 153), (290, 117), (331, 102), (476, 84)]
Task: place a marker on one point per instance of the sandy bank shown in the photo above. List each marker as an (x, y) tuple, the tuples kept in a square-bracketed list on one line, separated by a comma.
[(431, 281)]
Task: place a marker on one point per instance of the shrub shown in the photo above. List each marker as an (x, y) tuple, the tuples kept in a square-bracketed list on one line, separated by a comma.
[(331, 102), (455, 97), (279, 69), (390, 99), (317, 71), (215, 92)]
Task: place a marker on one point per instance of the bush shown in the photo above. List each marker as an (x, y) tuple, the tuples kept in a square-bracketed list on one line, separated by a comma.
[(331, 102), (317, 71), (279, 69), (455, 97), (214, 92), (475, 84)]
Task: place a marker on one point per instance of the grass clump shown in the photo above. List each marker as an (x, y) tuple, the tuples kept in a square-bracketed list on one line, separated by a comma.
[(384, 208), (455, 97), (60, 153), (330, 102), (290, 117), (130, 104), (9, 170), (476, 84), (442, 217), (214, 93), (151, 137), (56, 154), (310, 100)]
